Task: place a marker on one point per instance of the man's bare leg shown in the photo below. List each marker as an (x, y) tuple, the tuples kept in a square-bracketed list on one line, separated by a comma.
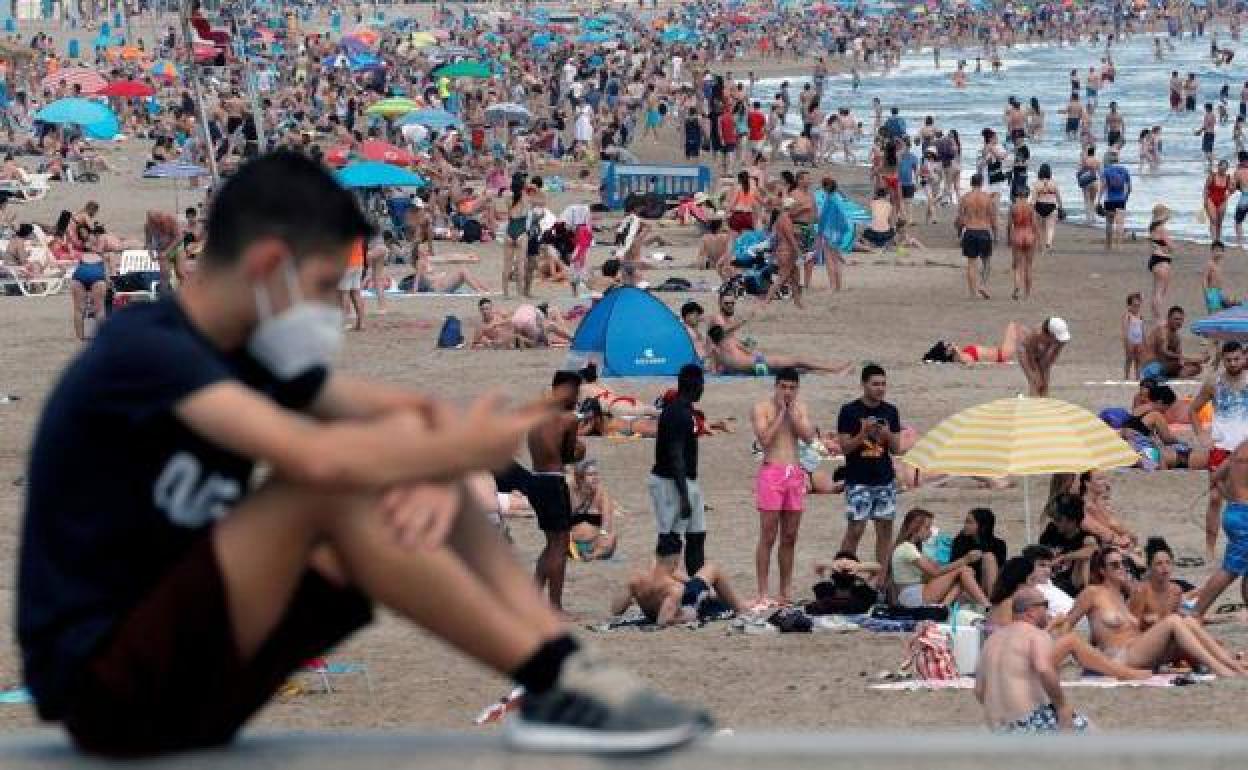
[(883, 542), (717, 580), (768, 528), (1213, 522), (264, 549), (790, 522), (972, 277), (552, 564)]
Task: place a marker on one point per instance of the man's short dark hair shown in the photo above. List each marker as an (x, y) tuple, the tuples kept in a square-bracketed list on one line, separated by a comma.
[(282, 195), (788, 374), (872, 370), (566, 377), (715, 333), (611, 268), (484, 301), (1175, 309), (1038, 553), (1232, 346), (1069, 507), (977, 179), (689, 378), (1162, 394), (690, 307)]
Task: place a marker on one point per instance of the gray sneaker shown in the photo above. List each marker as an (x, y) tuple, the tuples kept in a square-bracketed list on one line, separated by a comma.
[(599, 708)]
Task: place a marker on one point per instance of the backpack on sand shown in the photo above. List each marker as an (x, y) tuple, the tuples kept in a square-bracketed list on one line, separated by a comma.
[(452, 334)]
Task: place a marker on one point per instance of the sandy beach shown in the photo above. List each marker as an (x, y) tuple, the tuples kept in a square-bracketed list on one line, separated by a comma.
[(892, 310)]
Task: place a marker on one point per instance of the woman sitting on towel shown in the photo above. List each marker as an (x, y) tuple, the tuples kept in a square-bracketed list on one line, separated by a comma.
[(918, 580), (948, 353), (1021, 572), (1118, 633), (1148, 432), (594, 535), (428, 282)]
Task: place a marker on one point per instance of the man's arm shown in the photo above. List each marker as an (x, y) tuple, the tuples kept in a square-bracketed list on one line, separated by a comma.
[(669, 611), (765, 429), (346, 397), (1041, 654), (393, 448), (622, 600)]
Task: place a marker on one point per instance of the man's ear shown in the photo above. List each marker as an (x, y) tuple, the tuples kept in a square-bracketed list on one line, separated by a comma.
[(261, 257)]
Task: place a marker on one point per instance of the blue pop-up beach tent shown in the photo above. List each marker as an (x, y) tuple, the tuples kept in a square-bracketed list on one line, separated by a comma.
[(630, 333)]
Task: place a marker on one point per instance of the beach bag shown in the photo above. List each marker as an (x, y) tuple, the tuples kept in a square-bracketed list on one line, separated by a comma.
[(452, 334), (791, 620), (929, 655), (1085, 177)]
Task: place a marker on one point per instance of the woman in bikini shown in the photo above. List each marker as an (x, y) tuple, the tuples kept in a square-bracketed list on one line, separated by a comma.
[(428, 282), (613, 404), (594, 535), (1088, 178), (1022, 238), (1047, 200), (1118, 633), (1020, 572), (948, 353), (1159, 259), (517, 226), (1217, 191)]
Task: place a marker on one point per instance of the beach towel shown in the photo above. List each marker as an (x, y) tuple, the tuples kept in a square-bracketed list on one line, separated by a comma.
[(396, 294), (1104, 682)]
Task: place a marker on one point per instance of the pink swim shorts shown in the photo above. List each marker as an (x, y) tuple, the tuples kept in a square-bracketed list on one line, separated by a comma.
[(780, 488)]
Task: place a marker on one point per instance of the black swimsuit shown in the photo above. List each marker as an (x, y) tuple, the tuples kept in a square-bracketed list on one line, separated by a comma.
[(1156, 259)]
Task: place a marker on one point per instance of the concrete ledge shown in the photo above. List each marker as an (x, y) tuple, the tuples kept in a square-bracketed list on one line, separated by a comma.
[(798, 751)]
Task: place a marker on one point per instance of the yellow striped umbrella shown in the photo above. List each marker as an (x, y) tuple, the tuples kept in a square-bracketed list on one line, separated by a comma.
[(1021, 437)]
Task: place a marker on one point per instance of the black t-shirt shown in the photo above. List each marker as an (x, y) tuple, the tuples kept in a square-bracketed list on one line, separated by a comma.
[(1063, 576), (870, 464), (676, 441), (118, 489), (964, 544)]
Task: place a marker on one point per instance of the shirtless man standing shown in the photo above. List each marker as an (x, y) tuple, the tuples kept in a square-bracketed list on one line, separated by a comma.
[(1039, 351), (733, 358), (713, 251), (1015, 121), (553, 445), (1075, 115), (1228, 392), (784, 240), (780, 489), (1241, 203), (1162, 357), (1016, 681), (667, 596), (1230, 481), (977, 216)]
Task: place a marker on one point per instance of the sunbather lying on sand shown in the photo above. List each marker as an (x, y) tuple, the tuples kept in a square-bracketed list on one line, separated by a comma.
[(947, 352), (729, 356)]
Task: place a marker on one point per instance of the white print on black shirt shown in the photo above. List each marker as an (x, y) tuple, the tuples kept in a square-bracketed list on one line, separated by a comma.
[(188, 499)]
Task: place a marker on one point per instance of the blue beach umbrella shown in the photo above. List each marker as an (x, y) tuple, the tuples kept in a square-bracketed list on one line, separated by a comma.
[(1229, 324), (373, 174), (594, 37), (430, 117), (96, 119)]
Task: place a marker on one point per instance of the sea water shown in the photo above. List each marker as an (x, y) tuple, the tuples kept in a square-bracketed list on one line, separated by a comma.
[(1141, 90)]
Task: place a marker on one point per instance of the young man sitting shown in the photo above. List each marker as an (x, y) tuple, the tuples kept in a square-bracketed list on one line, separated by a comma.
[(163, 599), (731, 357)]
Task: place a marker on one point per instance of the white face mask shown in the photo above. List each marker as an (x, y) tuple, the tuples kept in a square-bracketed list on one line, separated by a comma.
[(300, 338)]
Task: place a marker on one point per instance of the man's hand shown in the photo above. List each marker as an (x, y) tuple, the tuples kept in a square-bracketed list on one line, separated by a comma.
[(490, 435), (421, 514), (686, 509)]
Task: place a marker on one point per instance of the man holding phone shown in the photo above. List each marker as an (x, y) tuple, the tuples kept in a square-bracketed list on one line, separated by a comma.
[(869, 431)]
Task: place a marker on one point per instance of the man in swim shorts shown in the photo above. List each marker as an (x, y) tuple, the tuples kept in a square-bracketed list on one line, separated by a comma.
[(1231, 481), (1162, 357), (731, 357), (780, 422), (1228, 392), (667, 597), (1016, 681), (552, 445), (977, 216), (869, 432)]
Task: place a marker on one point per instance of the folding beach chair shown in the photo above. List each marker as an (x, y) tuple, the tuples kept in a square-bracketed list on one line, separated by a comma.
[(137, 277), (32, 188)]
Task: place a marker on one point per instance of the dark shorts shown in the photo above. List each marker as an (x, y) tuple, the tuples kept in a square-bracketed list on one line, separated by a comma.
[(1017, 134), (551, 501), (170, 677), (907, 191), (696, 590), (1072, 125), (89, 274), (1113, 138), (1115, 205), (976, 244), (1206, 142)]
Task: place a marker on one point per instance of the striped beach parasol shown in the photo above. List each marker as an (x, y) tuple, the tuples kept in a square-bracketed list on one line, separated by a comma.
[(87, 79), (1021, 437)]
